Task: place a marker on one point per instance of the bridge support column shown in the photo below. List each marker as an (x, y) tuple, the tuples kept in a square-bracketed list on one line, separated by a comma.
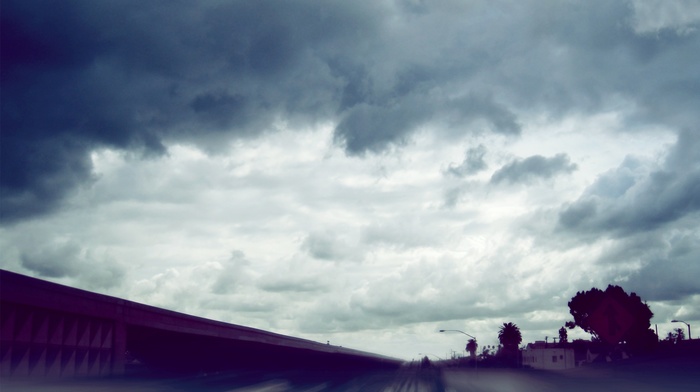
[(119, 349)]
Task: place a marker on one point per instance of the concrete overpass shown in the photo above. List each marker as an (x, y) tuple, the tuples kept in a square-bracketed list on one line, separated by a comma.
[(51, 330)]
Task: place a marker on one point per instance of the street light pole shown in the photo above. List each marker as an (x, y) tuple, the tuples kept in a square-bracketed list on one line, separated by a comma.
[(681, 321), (462, 332), (456, 330)]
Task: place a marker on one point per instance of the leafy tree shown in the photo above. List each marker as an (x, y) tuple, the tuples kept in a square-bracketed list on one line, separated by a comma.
[(585, 303), (563, 335), (471, 347)]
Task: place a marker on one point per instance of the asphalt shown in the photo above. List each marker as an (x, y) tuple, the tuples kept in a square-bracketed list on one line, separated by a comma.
[(681, 374)]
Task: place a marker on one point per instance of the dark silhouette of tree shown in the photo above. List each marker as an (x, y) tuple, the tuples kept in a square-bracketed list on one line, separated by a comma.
[(585, 303), (471, 347), (485, 352), (563, 336), (675, 336), (510, 337), (679, 334), (425, 362)]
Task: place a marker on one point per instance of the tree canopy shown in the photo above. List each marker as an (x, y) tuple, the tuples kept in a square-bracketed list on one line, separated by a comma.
[(676, 335), (563, 335), (471, 347), (509, 335), (586, 303)]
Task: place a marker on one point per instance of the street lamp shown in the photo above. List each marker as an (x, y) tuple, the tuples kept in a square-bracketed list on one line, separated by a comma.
[(456, 330), (681, 321), (462, 332)]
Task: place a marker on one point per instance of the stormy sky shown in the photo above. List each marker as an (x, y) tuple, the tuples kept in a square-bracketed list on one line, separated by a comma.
[(359, 172)]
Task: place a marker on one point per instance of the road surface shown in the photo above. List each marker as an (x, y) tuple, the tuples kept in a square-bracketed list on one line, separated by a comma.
[(652, 376)]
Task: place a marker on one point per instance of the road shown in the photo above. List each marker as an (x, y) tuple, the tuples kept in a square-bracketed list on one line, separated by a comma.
[(681, 374), (413, 380), (642, 377)]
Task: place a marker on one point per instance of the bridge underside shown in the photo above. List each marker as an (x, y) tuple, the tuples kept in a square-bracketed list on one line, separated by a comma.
[(49, 330), (196, 354)]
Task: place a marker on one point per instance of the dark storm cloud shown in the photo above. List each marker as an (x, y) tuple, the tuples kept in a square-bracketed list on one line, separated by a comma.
[(219, 109), (533, 168), (373, 127), (668, 261), (604, 58), (137, 76), (39, 161), (630, 200)]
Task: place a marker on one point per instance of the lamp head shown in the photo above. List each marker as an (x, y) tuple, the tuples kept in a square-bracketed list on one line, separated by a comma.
[(442, 330), (674, 321)]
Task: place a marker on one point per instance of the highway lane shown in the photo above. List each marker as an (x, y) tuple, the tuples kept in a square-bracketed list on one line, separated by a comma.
[(681, 374), (650, 376), (403, 380)]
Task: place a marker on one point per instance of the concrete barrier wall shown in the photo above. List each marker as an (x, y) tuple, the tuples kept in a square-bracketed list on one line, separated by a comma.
[(37, 342), (51, 330)]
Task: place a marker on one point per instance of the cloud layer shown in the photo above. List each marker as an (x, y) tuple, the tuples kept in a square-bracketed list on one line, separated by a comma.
[(333, 168)]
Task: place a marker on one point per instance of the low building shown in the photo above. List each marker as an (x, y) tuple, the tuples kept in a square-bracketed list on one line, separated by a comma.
[(540, 355)]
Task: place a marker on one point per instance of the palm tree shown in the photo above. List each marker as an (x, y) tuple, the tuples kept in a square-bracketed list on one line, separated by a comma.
[(471, 347), (509, 336), (680, 334)]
